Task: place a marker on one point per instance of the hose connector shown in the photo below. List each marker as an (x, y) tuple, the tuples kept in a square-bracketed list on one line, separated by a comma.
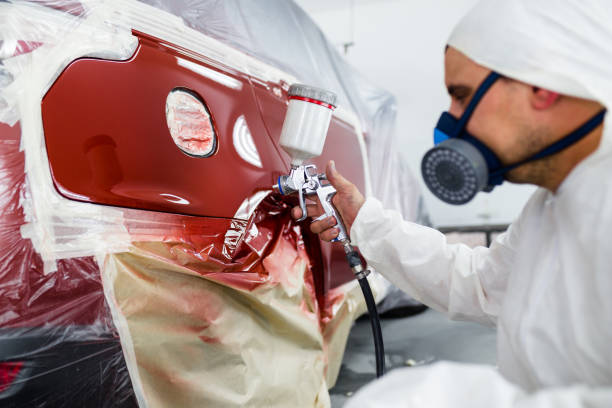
[(354, 261), (359, 272)]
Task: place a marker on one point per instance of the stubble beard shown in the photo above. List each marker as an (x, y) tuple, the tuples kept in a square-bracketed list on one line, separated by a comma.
[(539, 172)]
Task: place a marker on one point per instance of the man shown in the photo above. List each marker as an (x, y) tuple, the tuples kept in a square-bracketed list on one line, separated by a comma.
[(535, 77)]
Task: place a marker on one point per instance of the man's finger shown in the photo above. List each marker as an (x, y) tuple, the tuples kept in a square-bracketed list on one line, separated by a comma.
[(320, 226), (329, 234), (336, 179), (313, 210)]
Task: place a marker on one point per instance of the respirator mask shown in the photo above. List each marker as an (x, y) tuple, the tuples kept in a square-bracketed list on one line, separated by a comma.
[(459, 165)]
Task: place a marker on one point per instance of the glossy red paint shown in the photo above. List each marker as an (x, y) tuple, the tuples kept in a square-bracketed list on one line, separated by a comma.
[(108, 142)]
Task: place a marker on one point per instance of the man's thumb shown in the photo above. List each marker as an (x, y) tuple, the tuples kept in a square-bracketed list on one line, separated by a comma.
[(336, 179)]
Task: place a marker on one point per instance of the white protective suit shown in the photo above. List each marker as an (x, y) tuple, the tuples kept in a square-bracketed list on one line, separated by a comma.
[(547, 282)]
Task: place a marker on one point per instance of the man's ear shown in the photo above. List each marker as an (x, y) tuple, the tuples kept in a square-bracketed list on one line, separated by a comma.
[(543, 98)]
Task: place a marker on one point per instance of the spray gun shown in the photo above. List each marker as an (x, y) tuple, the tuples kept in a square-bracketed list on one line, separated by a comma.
[(303, 136), (306, 182)]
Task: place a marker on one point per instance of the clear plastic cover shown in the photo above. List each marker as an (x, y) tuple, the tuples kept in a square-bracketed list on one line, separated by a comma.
[(201, 311)]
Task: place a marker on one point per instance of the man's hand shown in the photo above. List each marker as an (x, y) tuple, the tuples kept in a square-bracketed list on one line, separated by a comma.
[(348, 200)]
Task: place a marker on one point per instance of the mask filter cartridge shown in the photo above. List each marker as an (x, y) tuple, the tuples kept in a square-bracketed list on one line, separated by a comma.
[(454, 171)]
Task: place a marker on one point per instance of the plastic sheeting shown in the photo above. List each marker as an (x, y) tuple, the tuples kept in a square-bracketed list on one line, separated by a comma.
[(208, 311), (282, 35), (56, 326), (216, 324)]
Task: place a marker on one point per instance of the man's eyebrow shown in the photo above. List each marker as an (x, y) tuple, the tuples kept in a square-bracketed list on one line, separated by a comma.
[(459, 91)]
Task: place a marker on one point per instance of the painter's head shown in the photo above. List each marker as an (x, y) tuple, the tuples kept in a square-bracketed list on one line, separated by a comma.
[(516, 119)]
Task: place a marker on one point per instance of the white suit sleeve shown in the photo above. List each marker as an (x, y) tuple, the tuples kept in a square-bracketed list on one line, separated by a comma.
[(449, 385), (464, 283)]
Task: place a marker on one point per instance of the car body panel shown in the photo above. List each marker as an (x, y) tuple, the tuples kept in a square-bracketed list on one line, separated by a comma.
[(108, 142), (130, 160)]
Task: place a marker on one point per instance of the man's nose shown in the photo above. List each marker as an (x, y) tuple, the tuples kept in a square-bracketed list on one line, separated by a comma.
[(455, 109)]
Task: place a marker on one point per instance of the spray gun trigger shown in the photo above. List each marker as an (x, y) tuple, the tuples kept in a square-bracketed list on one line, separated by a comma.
[(302, 204), (320, 217)]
